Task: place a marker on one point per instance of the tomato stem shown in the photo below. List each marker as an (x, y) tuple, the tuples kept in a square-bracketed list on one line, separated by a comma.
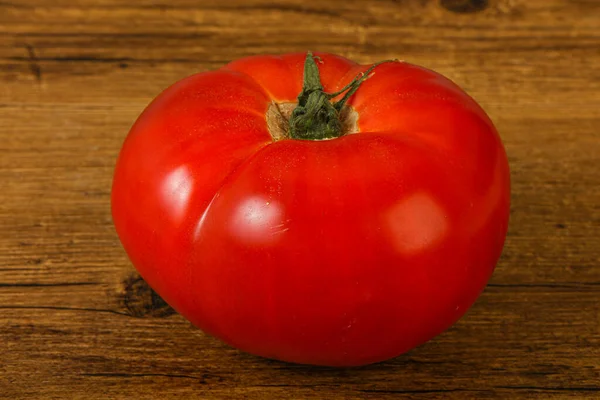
[(316, 117)]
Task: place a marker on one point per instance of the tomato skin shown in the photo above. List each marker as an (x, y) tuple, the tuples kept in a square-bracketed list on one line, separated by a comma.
[(339, 252)]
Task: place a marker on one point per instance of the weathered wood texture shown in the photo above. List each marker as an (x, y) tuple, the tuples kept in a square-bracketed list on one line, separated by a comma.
[(75, 322)]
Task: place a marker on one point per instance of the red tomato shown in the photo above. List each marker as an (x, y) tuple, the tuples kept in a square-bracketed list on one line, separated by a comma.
[(339, 249)]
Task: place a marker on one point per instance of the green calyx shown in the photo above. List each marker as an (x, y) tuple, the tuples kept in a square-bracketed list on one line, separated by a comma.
[(316, 117)]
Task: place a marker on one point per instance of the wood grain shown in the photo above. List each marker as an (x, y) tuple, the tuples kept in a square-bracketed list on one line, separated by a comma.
[(77, 322)]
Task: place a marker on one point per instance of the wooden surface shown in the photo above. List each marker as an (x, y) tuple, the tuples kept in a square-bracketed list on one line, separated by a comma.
[(76, 321)]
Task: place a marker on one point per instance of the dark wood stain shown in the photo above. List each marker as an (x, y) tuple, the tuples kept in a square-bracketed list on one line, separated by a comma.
[(76, 321), (140, 300), (34, 65), (464, 6)]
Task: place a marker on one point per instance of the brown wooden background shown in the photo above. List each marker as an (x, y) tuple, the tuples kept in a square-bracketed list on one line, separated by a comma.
[(76, 322)]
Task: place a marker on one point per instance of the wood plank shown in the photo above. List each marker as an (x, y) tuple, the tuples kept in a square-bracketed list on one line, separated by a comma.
[(146, 355), (561, 167)]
